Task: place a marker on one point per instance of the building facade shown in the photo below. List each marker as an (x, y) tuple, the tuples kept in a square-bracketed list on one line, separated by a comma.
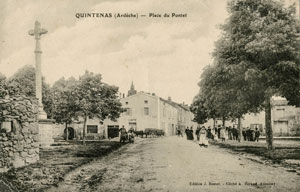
[(144, 110), (285, 119)]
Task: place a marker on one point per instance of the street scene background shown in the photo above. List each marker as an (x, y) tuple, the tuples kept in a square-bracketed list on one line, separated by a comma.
[(150, 96)]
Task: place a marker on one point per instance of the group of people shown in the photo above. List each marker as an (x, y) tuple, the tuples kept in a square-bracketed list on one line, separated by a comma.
[(250, 134), (202, 135), (124, 135), (222, 133)]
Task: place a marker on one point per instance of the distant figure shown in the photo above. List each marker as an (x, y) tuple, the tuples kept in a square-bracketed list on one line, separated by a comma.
[(223, 134), (123, 134), (215, 133), (131, 135), (235, 133), (219, 131), (192, 133), (257, 134), (244, 134), (203, 141), (187, 132), (248, 134), (198, 133), (209, 133), (229, 130)]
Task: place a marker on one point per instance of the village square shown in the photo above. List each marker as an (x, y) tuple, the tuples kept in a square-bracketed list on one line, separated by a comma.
[(214, 107)]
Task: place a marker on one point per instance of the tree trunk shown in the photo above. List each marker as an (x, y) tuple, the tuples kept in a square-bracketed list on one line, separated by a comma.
[(67, 132), (84, 128), (269, 131), (240, 135), (214, 122)]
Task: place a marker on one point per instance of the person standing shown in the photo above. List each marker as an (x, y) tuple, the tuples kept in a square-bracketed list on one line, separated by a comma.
[(192, 133), (203, 141), (123, 134), (223, 133), (187, 133), (198, 132), (257, 134), (244, 134), (209, 133)]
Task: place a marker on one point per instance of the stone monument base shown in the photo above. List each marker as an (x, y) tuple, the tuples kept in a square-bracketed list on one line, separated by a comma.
[(42, 113), (46, 132)]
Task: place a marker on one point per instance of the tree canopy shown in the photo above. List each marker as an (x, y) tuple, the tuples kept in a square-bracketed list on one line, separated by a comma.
[(256, 57)]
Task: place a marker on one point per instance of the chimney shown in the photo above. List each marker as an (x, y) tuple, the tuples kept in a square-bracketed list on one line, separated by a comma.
[(123, 95), (169, 98), (153, 94)]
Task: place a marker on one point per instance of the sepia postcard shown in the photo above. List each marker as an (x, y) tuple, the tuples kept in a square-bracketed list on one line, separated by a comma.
[(149, 95)]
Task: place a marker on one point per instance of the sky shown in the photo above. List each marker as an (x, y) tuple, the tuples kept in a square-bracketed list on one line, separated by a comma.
[(164, 56)]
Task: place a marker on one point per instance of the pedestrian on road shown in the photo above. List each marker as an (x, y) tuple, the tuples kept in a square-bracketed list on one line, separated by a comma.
[(178, 131), (216, 135), (244, 134), (198, 132), (257, 133), (219, 131), (123, 135), (187, 132), (203, 141), (192, 133), (209, 133), (223, 133)]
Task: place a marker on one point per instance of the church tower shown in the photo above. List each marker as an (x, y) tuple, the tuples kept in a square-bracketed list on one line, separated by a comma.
[(132, 91)]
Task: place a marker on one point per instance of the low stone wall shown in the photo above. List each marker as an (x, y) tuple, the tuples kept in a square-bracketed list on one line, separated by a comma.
[(19, 132)]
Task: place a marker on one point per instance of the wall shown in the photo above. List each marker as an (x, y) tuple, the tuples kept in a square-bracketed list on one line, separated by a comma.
[(58, 129), (136, 104), (19, 132), (168, 118)]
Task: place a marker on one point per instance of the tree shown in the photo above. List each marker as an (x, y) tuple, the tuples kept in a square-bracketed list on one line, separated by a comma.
[(261, 37), (96, 99), (23, 83), (199, 110), (63, 105)]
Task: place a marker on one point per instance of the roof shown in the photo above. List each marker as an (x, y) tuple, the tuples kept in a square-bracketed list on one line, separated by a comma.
[(140, 93), (174, 104)]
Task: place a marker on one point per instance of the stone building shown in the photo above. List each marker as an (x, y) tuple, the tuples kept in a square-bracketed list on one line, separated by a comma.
[(145, 110), (96, 129), (19, 132), (285, 119)]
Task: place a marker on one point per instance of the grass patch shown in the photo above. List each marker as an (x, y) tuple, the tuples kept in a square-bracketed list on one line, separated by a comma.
[(55, 163), (281, 152)]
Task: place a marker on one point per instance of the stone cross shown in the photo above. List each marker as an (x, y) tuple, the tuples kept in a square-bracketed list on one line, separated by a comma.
[(37, 32)]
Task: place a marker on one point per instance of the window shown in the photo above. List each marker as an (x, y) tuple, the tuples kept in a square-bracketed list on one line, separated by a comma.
[(126, 103), (146, 102), (92, 129), (146, 110)]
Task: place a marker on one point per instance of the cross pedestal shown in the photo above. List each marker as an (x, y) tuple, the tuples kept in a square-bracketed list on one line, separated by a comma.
[(45, 125)]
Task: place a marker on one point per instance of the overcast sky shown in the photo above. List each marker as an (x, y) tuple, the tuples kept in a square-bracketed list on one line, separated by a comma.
[(161, 55)]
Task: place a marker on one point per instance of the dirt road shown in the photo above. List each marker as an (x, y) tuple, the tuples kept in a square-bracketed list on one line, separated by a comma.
[(175, 164)]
